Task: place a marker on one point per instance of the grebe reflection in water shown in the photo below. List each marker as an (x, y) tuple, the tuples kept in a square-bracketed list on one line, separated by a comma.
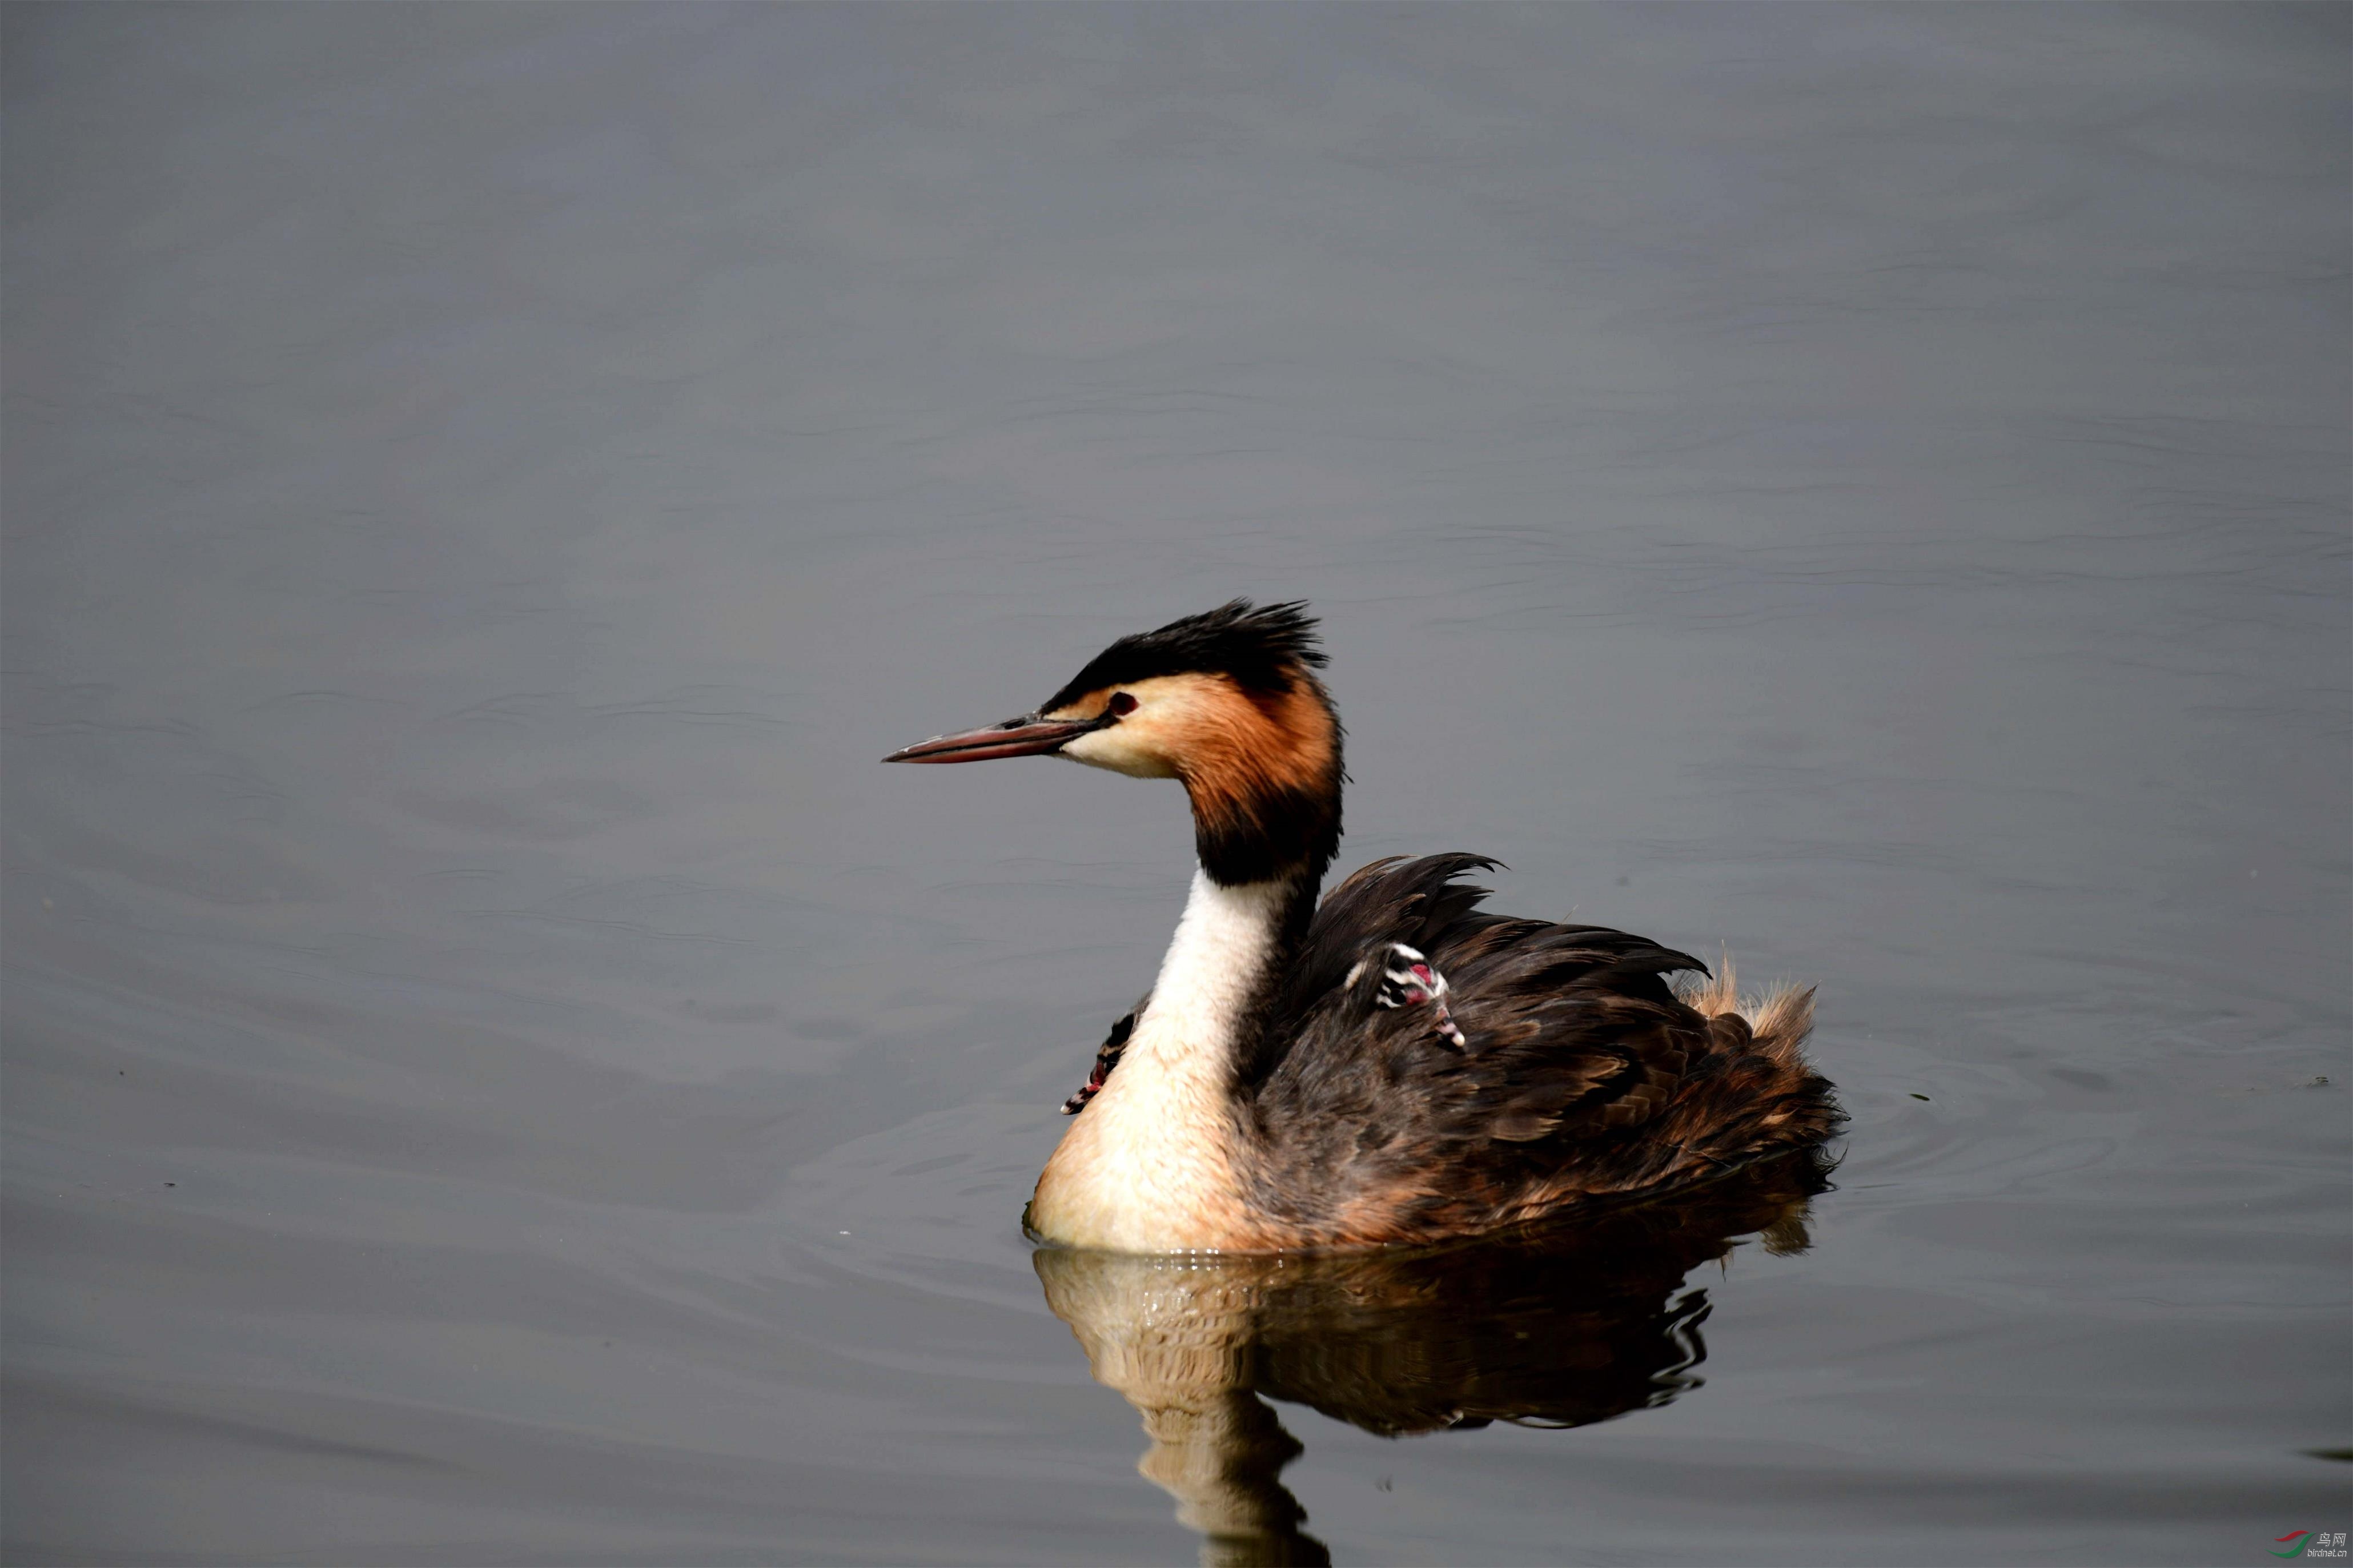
[(1556, 1329)]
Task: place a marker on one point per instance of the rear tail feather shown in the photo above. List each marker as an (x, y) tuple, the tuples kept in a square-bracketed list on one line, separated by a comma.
[(1780, 1017)]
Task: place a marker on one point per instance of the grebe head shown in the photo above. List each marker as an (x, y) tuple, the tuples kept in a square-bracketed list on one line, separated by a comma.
[(1226, 701)]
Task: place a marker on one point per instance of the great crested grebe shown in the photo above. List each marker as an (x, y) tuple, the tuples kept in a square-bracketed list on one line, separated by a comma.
[(1391, 1066)]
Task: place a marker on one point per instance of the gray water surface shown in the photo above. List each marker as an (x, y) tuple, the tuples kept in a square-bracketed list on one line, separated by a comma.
[(495, 1072)]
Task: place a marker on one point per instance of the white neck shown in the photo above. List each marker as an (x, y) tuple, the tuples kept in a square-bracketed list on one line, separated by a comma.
[(1214, 968), (1148, 1165)]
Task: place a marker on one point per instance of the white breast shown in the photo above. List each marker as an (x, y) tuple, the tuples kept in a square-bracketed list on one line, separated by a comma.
[(1149, 1165)]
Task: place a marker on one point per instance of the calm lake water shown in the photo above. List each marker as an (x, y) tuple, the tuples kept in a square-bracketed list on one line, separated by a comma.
[(496, 1073)]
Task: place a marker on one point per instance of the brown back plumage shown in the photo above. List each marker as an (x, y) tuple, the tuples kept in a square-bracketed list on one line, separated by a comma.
[(1580, 1074)]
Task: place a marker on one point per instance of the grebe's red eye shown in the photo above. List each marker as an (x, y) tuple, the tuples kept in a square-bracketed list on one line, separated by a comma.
[(1121, 705)]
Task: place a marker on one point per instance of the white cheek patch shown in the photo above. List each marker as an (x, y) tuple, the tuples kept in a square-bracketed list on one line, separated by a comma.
[(1118, 754)]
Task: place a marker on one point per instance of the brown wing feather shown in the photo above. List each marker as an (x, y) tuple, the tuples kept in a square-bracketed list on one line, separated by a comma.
[(1580, 1073), (1107, 1057)]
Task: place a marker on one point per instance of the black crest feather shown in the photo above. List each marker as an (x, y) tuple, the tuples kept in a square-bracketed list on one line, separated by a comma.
[(1259, 649)]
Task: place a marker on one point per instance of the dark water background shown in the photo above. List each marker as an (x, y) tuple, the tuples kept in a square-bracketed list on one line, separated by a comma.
[(494, 1071)]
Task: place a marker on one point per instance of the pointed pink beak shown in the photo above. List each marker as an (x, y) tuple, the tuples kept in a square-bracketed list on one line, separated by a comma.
[(1028, 736)]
